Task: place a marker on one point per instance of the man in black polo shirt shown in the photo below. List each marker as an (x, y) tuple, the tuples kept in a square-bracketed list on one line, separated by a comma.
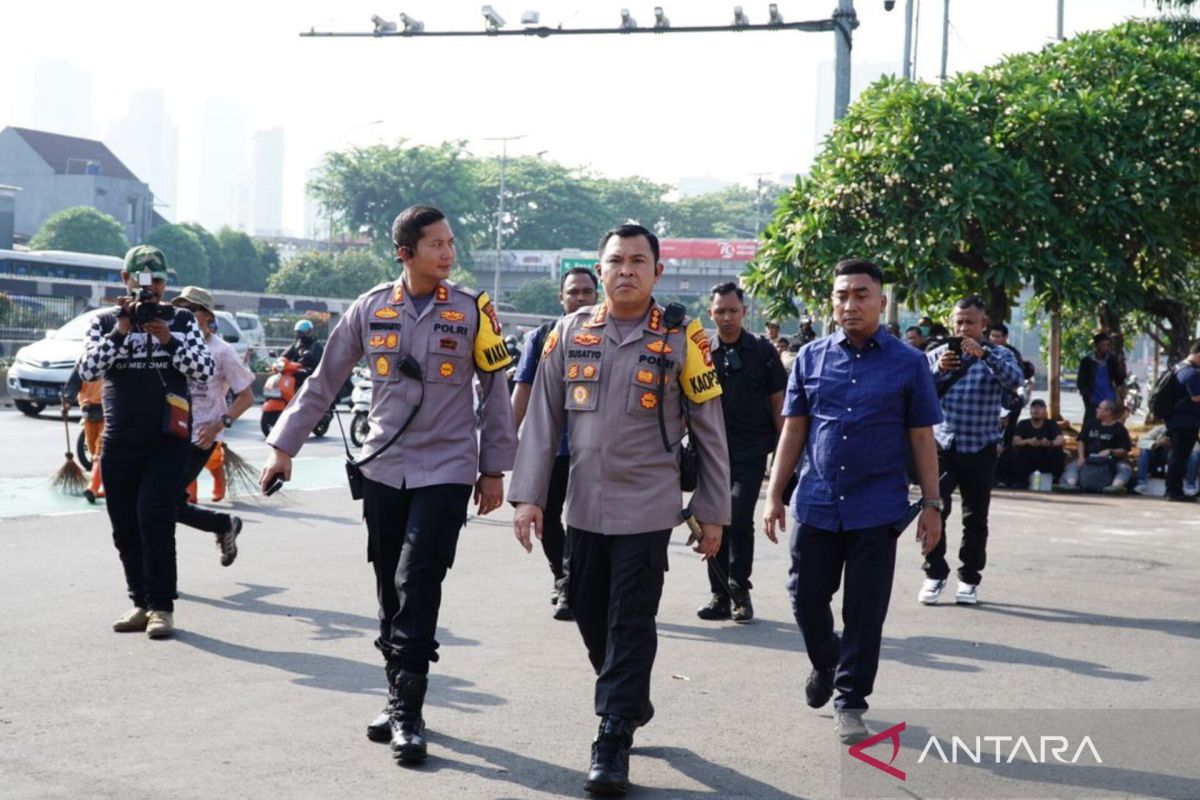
[(752, 385)]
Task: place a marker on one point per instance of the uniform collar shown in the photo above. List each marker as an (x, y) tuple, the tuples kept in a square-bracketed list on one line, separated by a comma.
[(877, 339), (441, 293), (743, 341)]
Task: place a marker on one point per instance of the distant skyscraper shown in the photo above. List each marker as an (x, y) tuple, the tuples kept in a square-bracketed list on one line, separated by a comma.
[(147, 141), (224, 136), (62, 98), (268, 182)]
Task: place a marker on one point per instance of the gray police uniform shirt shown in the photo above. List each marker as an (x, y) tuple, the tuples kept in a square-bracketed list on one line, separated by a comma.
[(455, 337), (622, 480)]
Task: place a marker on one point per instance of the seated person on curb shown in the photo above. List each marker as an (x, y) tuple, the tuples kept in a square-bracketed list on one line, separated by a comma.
[(1154, 451), (1105, 438), (1037, 445)]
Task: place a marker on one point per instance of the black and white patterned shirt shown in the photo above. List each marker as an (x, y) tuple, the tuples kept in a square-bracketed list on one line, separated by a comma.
[(138, 372)]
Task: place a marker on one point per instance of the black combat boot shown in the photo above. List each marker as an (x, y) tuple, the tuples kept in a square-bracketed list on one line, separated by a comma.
[(380, 728), (609, 773), (408, 727)]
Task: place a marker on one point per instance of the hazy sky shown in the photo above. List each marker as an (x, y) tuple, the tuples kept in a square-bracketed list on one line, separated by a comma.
[(720, 105)]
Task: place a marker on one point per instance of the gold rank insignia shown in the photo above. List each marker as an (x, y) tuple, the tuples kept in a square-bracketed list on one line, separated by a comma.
[(598, 317), (453, 316), (581, 394), (386, 313), (649, 400), (375, 341), (382, 367), (551, 343), (656, 319), (586, 339), (398, 294), (443, 294), (589, 371), (645, 376), (572, 372), (446, 369), (659, 347)]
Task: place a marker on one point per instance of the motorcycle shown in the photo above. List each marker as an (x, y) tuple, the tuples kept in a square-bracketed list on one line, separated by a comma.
[(360, 406), (279, 390), (1133, 396)]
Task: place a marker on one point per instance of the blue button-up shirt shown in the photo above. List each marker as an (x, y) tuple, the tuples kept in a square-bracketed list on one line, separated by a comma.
[(861, 405), (527, 371), (972, 407)]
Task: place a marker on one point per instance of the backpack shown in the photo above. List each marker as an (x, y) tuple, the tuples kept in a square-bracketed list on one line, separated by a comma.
[(1166, 394), (1097, 472)]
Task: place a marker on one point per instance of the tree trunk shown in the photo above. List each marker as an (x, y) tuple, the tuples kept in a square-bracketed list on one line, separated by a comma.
[(1179, 334)]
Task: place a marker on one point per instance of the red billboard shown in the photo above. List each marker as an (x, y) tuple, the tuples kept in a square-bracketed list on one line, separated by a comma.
[(708, 249)]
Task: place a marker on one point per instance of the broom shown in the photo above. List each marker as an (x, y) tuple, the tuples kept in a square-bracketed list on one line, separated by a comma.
[(70, 478), (240, 476)]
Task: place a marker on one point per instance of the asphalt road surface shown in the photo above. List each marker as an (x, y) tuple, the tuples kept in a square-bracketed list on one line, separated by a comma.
[(1088, 602)]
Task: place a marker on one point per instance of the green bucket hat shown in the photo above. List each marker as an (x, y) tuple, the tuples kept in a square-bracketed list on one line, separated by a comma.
[(146, 257)]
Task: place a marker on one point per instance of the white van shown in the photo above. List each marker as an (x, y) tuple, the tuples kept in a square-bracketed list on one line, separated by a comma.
[(252, 331)]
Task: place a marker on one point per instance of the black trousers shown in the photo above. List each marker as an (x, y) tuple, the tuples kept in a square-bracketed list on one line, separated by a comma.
[(972, 474), (1182, 442), (1043, 459), (191, 515), (141, 485), (556, 545), (412, 538), (616, 584), (868, 558), (730, 569)]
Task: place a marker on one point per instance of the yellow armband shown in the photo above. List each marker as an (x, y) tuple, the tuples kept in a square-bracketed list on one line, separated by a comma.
[(490, 352), (698, 378)]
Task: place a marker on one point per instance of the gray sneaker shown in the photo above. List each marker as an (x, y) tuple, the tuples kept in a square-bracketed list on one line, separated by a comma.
[(849, 726), (227, 541)]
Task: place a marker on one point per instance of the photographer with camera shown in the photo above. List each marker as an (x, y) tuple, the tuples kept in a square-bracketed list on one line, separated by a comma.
[(146, 351)]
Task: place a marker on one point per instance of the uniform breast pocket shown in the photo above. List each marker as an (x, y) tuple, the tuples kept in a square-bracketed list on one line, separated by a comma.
[(447, 360), (384, 366), (643, 399), (583, 385)]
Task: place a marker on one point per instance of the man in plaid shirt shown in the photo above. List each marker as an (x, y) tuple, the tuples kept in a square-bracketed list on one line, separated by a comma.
[(971, 380)]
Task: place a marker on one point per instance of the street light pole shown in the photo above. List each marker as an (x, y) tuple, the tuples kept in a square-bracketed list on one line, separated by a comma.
[(945, 38), (845, 20), (908, 39), (504, 140), (1060, 20)]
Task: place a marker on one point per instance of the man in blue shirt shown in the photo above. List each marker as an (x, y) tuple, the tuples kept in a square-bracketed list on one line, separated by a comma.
[(972, 381), (576, 290), (1100, 376), (1183, 425), (857, 404)]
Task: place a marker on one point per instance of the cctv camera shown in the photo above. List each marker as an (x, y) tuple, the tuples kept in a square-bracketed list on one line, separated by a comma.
[(411, 25), (382, 25), (888, 5), (494, 20), (628, 23), (530, 18)]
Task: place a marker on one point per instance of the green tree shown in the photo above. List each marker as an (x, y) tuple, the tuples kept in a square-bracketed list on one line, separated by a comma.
[(538, 296), (316, 274), (268, 256), (81, 229), (218, 279), (737, 212), (185, 253), (364, 188), (244, 269), (1071, 170)]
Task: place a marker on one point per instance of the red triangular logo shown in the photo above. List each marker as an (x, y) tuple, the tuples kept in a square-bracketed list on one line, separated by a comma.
[(892, 733)]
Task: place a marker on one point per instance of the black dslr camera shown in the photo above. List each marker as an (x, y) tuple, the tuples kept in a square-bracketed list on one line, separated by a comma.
[(146, 306)]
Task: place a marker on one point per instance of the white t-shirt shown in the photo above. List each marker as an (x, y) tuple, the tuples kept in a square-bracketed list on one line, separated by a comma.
[(208, 397)]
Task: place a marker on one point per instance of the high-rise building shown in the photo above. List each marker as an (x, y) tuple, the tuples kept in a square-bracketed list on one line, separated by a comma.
[(224, 136), (268, 182), (62, 98), (147, 140)]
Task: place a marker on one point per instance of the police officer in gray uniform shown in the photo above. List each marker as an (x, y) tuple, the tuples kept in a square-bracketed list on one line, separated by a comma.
[(611, 370), (423, 338)]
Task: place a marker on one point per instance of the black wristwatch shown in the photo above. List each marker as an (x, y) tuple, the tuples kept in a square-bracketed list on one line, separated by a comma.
[(228, 420), (935, 502)]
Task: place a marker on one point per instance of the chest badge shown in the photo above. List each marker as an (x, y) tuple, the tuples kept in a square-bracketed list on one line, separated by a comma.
[(581, 395), (382, 367), (572, 372), (589, 371), (446, 370), (645, 376), (386, 313), (586, 339), (453, 316), (649, 400), (659, 346)]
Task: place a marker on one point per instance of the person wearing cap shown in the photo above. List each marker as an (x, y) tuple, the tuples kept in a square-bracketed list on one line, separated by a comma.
[(146, 352), (621, 377), (425, 340), (210, 417)]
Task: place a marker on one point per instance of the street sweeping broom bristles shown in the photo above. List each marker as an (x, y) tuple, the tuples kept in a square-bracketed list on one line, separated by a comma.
[(70, 478), (240, 476)]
